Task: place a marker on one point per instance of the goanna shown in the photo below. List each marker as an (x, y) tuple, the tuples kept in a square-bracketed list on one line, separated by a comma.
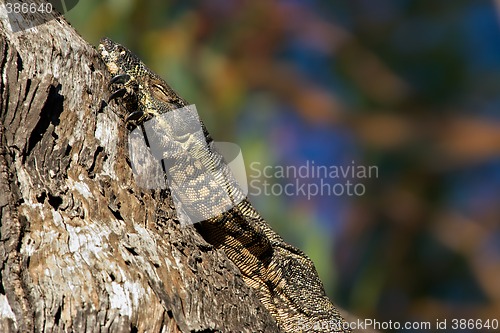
[(283, 276)]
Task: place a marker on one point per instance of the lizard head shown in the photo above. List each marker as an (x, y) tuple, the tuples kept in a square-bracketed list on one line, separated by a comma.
[(152, 93)]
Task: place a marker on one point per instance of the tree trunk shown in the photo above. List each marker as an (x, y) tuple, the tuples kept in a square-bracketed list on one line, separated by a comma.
[(82, 247)]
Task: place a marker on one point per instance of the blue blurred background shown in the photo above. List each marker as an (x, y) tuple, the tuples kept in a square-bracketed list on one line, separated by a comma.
[(411, 87)]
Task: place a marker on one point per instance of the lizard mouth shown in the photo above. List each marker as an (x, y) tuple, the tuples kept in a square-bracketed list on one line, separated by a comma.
[(106, 55)]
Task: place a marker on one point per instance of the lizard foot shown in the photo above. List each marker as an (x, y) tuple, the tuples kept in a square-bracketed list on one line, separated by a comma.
[(126, 89)]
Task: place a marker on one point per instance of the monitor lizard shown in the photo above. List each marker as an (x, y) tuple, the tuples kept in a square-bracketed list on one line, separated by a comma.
[(283, 276)]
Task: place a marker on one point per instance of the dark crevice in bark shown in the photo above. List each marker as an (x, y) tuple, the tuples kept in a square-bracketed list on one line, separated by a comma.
[(116, 213), (4, 48), (55, 201), (102, 106), (57, 316), (68, 150), (2, 289), (97, 153), (49, 114), (23, 224), (27, 90), (19, 63), (40, 198), (131, 250)]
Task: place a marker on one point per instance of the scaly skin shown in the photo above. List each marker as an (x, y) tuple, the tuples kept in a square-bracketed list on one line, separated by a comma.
[(283, 276)]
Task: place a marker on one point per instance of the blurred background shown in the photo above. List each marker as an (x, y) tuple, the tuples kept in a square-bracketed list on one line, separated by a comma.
[(411, 87)]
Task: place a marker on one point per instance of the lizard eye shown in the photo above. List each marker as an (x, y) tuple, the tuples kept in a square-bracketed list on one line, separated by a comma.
[(160, 93), (120, 50)]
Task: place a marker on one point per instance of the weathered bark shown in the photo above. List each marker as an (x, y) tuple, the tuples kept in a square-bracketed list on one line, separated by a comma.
[(82, 248)]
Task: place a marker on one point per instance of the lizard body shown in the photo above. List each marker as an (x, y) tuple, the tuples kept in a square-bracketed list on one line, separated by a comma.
[(283, 276)]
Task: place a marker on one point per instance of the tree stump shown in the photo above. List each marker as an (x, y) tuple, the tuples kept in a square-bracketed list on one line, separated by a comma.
[(82, 247)]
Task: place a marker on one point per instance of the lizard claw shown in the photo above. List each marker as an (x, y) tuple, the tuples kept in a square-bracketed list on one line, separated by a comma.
[(118, 93), (134, 116), (120, 78)]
